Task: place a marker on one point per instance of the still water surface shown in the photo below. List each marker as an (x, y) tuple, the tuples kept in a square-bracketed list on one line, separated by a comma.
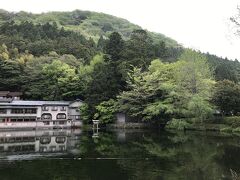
[(144, 155)]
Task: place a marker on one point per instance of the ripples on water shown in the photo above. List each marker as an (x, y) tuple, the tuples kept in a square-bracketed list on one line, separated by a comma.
[(73, 155)]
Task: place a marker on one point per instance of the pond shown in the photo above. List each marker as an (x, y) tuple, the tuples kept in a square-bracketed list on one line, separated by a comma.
[(131, 154)]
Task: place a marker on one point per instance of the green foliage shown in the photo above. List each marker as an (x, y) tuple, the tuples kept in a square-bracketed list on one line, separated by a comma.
[(106, 111), (227, 97), (194, 76), (200, 108), (98, 80), (236, 130), (56, 80), (226, 130), (90, 24), (178, 124), (180, 89), (85, 113), (224, 68), (53, 56), (114, 46), (150, 95), (41, 39), (10, 76), (194, 81), (139, 49)]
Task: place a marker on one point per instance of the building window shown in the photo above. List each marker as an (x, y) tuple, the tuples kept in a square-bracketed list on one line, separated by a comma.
[(19, 120), (61, 116), (3, 111), (53, 148), (46, 116), (54, 108), (17, 111), (60, 140), (23, 111), (45, 108), (45, 140), (61, 148), (31, 111), (77, 117), (63, 108), (42, 149), (62, 122), (46, 123)]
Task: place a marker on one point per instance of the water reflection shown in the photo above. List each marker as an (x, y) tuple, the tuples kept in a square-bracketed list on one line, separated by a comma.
[(134, 154), (32, 144)]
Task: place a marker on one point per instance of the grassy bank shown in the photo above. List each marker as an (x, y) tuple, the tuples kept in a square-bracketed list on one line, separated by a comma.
[(223, 124)]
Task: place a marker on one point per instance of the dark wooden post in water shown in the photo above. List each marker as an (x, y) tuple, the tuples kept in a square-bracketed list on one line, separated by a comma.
[(95, 128)]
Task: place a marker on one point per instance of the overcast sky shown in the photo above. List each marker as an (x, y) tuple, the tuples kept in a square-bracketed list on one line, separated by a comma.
[(198, 24)]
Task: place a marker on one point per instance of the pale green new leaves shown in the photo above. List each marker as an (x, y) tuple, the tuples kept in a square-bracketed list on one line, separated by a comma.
[(60, 78), (170, 89), (151, 91), (194, 76)]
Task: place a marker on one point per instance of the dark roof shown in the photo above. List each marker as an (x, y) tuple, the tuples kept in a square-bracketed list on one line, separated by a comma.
[(4, 93), (10, 94), (35, 103)]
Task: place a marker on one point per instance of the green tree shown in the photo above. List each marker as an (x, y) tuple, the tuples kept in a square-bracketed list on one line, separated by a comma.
[(114, 46), (227, 97), (194, 80), (150, 95), (55, 81), (106, 111), (139, 49)]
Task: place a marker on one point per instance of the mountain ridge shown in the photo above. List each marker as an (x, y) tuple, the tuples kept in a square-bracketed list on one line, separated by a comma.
[(88, 23)]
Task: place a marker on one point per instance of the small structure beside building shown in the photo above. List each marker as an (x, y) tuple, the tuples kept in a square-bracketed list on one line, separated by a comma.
[(4, 95), (121, 118), (15, 113)]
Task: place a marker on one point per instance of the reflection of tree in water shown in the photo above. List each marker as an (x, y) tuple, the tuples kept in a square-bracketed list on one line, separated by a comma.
[(168, 155), (143, 155)]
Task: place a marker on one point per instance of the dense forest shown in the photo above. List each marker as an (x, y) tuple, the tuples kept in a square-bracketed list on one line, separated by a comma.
[(114, 66)]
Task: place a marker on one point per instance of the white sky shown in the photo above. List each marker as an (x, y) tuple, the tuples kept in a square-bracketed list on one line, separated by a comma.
[(198, 24)]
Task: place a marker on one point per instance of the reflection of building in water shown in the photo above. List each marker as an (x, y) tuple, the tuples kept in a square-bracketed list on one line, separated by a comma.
[(15, 114), (25, 142)]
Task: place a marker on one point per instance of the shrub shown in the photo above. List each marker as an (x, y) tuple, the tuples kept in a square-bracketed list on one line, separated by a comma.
[(233, 121), (226, 129), (177, 124), (106, 111), (236, 130)]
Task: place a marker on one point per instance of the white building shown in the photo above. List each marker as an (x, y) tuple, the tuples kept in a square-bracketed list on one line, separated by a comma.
[(22, 114)]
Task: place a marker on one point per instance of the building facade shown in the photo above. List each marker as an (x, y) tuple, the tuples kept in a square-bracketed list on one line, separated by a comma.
[(39, 114)]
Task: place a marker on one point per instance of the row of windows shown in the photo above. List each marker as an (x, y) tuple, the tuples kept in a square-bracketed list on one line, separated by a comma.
[(31, 110), (18, 120), (24, 111), (51, 148), (16, 139), (48, 116), (47, 140), (54, 108), (3, 111), (23, 120), (55, 123)]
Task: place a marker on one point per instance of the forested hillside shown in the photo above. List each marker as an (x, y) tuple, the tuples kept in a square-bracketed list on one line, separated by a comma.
[(113, 66), (89, 24)]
